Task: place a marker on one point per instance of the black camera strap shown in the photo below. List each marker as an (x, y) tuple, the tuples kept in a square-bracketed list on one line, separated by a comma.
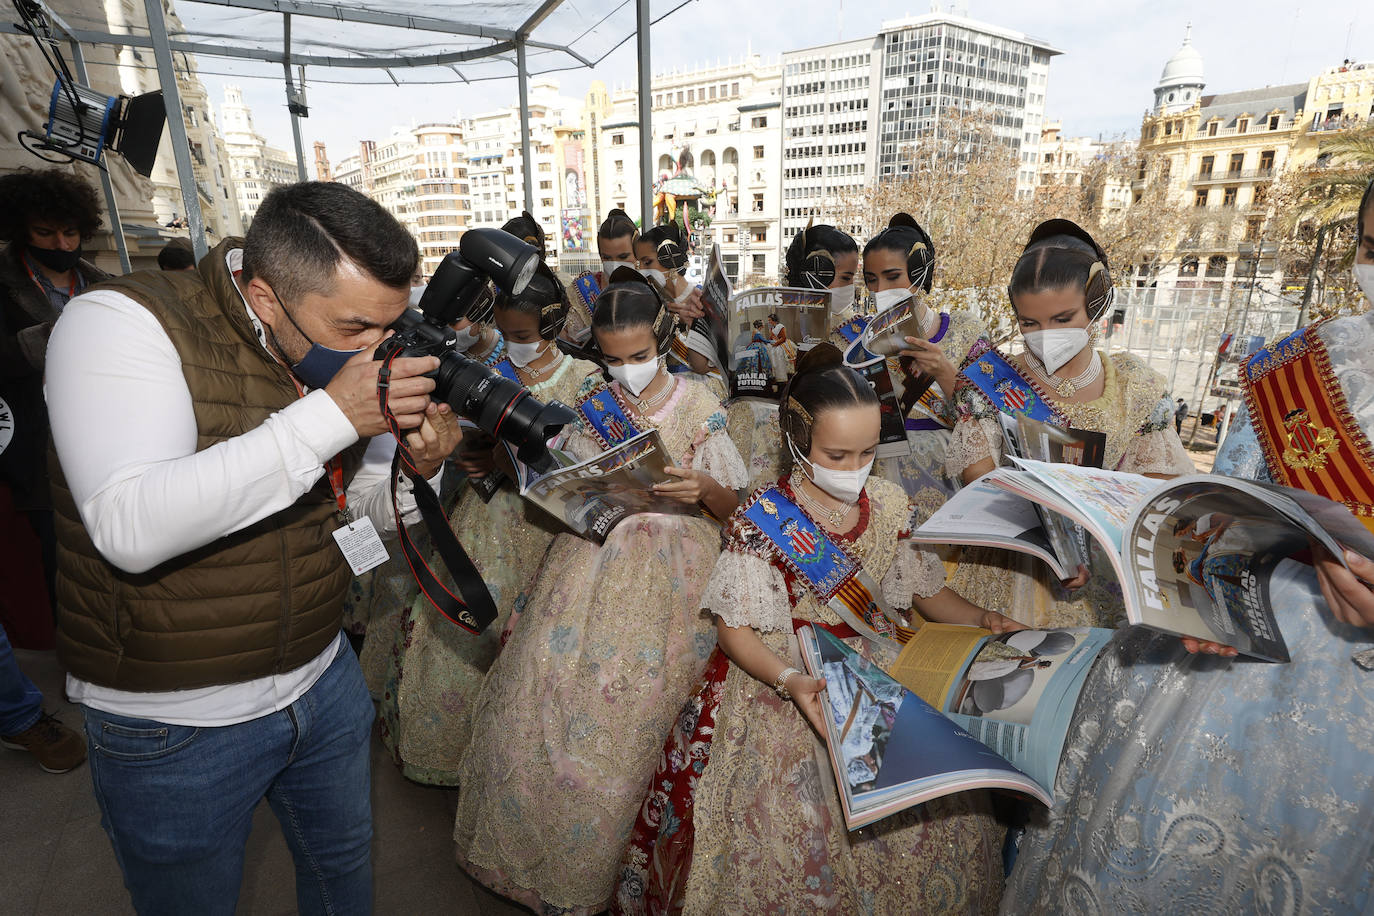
[(472, 607)]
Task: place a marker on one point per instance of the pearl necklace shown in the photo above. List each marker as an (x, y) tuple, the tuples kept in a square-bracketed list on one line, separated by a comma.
[(834, 516), (646, 406), (1067, 387)]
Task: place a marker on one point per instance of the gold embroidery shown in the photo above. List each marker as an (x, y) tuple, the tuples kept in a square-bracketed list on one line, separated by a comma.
[(768, 506), (1309, 446), (597, 405), (985, 366)]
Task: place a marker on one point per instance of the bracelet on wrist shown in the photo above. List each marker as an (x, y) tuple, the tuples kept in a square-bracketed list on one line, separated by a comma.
[(780, 683)]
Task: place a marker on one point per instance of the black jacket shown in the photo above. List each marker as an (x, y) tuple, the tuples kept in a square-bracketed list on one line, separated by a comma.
[(26, 319)]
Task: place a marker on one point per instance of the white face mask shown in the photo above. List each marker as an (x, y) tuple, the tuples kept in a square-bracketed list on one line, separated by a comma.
[(843, 485), (610, 267), (467, 337), (635, 377), (522, 354), (1056, 346), (1364, 276), (653, 273), (842, 297), (885, 299)]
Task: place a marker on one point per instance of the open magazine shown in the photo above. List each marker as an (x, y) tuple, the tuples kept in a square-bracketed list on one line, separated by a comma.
[(1193, 555), (591, 497), (961, 709)]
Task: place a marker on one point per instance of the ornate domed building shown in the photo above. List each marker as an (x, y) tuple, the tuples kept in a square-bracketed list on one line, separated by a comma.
[(1181, 83)]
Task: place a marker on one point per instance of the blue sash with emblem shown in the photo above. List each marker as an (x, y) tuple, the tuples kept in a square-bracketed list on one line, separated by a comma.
[(852, 328), (837, 580), (1008, 390), (606, 417), (507, 370)]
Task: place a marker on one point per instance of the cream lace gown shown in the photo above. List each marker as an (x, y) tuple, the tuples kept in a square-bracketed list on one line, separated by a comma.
[(1136, 413), (743, 815), (569, 723), (434, 667)]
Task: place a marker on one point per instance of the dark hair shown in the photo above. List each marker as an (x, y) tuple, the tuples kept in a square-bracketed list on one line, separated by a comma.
[(544, 297), (1061, 255), (526, 228), (811, 256), (617, 224), (628, 301), (1365, 202), (175, 256), (303, 231), (822, 382), (905, 236), (668, 246), (50, 194)]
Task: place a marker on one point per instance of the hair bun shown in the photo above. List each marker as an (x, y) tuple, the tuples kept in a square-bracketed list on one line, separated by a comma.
[(904, 219), (819, 358), (1064, 233)]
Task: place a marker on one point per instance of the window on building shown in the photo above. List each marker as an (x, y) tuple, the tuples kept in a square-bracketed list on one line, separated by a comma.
[(1261, 193), (1237, 163), (1266, 161), (1188, 267), (759, 121), (734, 89), (1242, 125), (759, 234), (758, 152), (758, 203), (617, 139), (1201, 199), (1212, 128), (620, 166), (1274, 122), (1228, 197), (691, 95), (1254, 226), (1205, 169), (679, 96), (729, 237), (1216, 265), (760, 263)]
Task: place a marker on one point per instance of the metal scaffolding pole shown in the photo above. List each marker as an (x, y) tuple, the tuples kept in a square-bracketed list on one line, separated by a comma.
[(292, 102), (111, 204), (176, 124), (646, 145), (523, 74)]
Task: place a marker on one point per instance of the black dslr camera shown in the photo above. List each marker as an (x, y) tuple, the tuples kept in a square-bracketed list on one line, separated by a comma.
[(500, 407)]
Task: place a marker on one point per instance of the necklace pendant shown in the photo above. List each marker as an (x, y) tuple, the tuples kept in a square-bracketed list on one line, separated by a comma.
[(1066, 389)]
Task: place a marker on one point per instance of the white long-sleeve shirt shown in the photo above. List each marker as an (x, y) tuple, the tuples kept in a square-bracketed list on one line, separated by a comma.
[(124, 427)]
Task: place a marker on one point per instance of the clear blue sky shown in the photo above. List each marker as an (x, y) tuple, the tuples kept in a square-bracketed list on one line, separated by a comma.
[(1113, 54)]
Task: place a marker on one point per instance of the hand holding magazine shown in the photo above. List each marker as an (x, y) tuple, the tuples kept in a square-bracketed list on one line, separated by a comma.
[(961, 709), (1193, 555), (591, 497)]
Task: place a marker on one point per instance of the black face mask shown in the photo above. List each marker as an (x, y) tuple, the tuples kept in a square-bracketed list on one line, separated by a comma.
[(55, 258)]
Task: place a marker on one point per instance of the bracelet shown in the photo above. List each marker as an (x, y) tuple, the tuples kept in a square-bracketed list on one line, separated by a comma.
[(780, 683)]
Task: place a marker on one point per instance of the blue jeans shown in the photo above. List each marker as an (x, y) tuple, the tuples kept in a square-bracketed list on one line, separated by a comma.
[(21, 703), (177, 801)]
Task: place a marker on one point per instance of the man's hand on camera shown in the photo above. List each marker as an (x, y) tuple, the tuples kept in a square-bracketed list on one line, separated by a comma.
[(435, 439), (354, 389)]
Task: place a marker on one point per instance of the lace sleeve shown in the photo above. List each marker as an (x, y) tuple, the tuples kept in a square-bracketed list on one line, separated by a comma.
[(1240, 455), (717, 456), (915, 570), (745, 590), (1157, 452), (581, 445), (973, 439)]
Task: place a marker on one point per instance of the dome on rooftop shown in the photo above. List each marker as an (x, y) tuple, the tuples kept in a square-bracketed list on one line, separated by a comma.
[(1185, 67)]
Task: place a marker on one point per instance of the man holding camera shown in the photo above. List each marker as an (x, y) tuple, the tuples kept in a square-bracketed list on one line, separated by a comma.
[(217, 484)]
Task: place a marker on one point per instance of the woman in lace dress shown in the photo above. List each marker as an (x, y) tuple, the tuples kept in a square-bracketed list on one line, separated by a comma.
[(435, 668), (899, 263), (1197, 782), (1060, 293), (743, 815), (568, 725)]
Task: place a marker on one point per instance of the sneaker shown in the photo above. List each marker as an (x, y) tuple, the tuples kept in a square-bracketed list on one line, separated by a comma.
[(55, 746)]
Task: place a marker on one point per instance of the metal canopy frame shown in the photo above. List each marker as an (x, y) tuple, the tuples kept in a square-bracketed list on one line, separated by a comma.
[(502, 40)]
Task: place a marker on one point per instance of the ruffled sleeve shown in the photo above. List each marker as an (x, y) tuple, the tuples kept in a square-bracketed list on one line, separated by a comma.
[(973, 439), (915, 570), (717, 456), (1156, 447), (745, 590), (581, 445)]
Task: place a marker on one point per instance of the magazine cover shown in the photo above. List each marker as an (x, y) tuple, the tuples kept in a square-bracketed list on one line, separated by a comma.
[(889, 748), (714, 325), (772, 325)]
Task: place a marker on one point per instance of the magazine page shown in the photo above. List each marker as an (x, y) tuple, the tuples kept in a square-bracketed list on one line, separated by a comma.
[(1015, 692), (771, 326), (892, 440), (1102, 501), (889, 748), (987, 514), (1032, 439), (592, 497)]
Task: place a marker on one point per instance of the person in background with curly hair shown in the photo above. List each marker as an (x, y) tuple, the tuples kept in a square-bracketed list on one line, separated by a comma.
[(45, 217)]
